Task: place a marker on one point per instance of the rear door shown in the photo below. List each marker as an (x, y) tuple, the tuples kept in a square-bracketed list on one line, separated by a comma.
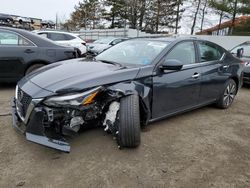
[(16, 51), (177, 90), (215, 70)]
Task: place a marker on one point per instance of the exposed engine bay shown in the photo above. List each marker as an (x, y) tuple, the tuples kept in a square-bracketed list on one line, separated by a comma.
[(69, 121)]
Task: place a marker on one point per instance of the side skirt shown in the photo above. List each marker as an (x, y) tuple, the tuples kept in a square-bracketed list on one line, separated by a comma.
[(182, 111)]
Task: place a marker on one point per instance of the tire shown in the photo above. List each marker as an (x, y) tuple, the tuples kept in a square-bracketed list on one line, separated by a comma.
[(229, 93), (129, 134), (33, 67), (79, 53)]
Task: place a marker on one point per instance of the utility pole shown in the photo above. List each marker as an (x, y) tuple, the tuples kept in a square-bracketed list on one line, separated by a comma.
[(56, 21)]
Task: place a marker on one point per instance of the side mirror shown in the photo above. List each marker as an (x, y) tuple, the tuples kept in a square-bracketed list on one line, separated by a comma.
[(171, 64), (240, 52)]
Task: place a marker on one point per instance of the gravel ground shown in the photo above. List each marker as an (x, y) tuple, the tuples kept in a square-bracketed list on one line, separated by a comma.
[(207, 147)]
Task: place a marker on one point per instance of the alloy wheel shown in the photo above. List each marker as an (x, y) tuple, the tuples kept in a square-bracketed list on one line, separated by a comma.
[(229, 94)]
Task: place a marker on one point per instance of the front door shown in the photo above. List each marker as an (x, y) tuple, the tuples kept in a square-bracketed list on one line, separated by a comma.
[(173, 90)]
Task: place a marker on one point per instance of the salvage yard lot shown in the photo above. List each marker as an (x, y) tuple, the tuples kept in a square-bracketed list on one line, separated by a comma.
[(208, 147)]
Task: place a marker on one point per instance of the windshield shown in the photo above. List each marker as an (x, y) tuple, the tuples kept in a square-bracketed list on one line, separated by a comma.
[(137, 52), (103, 41)]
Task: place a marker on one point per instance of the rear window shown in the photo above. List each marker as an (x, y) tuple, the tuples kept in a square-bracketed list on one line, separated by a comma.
[(209, 51), (12, 39), (60, 36)]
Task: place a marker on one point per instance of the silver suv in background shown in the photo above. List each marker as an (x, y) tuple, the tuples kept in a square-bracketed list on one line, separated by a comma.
[(242, 51), (100, 45)]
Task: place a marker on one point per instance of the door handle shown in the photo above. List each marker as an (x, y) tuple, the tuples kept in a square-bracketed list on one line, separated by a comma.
[(28, 51), (225, 66), (196, 75)]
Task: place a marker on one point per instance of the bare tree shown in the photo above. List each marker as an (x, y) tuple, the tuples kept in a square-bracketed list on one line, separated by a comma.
[(198, 3), (203, 14)]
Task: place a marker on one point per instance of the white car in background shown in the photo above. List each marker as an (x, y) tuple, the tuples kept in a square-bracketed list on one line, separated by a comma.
[(66, 39)]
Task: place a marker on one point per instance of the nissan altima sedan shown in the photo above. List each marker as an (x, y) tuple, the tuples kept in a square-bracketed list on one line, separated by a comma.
[(21, 52), (127, 86)]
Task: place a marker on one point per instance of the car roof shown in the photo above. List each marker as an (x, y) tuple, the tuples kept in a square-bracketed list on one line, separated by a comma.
[(111, 38), (56, 31), (165, 39), (170, 39)]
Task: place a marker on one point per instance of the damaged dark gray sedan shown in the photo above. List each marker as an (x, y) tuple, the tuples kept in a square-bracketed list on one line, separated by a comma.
[(125, 87)]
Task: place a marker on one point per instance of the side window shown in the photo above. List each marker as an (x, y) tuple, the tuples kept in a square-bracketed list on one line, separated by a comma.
[(69, 37), (209, 51), (12, 39), (57, 36), (23, 42), (45, 35), (114, 42), (184, 52)]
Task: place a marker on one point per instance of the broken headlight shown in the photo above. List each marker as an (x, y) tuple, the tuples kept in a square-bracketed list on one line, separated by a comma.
[(79, 99)]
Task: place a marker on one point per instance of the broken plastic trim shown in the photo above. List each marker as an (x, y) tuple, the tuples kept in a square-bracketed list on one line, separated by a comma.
[(34, 130), (45, 141)]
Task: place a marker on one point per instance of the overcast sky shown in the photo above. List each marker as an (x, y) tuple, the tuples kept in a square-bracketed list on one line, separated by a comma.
[(44, 9)]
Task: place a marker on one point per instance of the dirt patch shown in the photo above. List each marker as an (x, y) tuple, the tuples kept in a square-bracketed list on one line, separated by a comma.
[(208, 147)]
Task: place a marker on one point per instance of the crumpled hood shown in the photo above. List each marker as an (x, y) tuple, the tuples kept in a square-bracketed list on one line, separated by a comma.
[(79, 74)]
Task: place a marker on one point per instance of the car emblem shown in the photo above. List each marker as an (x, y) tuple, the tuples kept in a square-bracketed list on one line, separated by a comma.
[(20, 96)]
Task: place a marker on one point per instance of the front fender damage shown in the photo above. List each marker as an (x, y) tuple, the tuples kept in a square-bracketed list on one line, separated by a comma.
[(144, 92)]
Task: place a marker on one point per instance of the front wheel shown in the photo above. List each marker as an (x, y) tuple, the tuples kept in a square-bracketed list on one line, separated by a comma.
[(129, 122), (228, 95)]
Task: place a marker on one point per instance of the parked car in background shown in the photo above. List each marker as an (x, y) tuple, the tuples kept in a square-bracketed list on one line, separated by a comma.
[(6, 20), (242, 51), (23, 23), (129, 85), (21, 52), (100, 45), (65, 38), (48, 24)]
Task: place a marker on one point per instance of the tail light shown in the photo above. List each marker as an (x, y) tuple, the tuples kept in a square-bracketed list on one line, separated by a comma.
[(243, 63)]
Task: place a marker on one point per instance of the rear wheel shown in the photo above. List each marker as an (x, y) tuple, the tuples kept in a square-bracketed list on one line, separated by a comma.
[(33, 67), (129, 122), (228, 95)]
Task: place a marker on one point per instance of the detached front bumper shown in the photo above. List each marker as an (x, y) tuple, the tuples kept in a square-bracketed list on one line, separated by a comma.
[(34, 129)]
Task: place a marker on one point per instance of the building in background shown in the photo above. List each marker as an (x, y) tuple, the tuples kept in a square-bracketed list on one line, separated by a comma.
[(241, 27)]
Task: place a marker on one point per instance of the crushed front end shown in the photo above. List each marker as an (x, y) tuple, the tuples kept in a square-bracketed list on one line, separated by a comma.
[(47, 120)]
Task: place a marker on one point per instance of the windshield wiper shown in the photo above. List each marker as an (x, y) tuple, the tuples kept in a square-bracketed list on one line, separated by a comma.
[(111, 62)]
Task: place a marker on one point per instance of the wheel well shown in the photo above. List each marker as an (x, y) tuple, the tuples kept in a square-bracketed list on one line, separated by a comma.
[(35, 63), (236, 81), (144, 112)]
